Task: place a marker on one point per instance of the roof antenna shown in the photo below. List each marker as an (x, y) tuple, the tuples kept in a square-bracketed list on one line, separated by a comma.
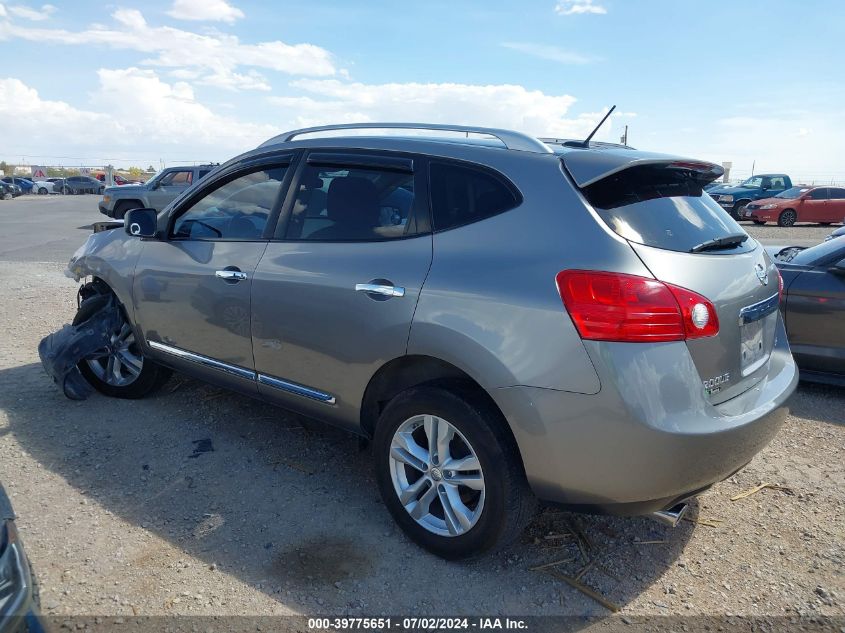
[(586, 141)]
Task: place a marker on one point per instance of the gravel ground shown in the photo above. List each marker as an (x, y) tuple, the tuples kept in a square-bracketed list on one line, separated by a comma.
[(123, 513)]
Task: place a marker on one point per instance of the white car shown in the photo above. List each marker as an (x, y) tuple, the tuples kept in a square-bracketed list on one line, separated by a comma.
[(43, 187)]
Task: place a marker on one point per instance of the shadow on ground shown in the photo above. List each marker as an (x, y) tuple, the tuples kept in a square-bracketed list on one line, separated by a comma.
[(293, 510), (823, 403)]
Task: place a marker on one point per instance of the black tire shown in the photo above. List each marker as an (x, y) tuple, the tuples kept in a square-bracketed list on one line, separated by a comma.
[(738, 209), (787, 217), (101, 191), (151, 377), (123, 206), (64, 191), (759, 222), (42, 191), (825, 223), (508, 501)]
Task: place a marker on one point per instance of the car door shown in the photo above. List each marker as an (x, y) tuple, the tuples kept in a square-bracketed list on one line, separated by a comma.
[(836, 205), (815, 316), (191, 288), (814, 206), (169, 186), (334, 294)]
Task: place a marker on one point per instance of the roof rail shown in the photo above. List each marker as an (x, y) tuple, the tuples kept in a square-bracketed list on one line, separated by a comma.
[(510, 139)]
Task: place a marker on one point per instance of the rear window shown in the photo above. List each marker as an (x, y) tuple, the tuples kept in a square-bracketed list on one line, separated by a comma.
[(663, 207)]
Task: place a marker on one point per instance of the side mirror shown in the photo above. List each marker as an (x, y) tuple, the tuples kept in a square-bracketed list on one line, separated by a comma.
[(141, 222)]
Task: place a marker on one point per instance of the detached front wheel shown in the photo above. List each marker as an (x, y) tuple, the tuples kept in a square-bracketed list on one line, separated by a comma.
[(122, 371), (449, 472)]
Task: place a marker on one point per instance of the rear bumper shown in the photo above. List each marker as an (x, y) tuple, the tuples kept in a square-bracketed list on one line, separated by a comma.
[(650, 437)]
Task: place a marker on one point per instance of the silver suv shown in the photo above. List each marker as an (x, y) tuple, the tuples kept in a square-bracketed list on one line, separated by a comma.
[(156, 193), (507, 320)]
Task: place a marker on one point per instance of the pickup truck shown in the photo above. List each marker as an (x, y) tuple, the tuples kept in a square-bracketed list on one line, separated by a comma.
[(156, 193), (733, 198)]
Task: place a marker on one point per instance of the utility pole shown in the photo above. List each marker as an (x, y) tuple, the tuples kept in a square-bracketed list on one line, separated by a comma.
[(753, 165)]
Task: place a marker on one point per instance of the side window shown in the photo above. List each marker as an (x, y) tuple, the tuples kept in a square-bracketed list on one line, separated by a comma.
[(352, 204), (236, 210), (837, 193), (203, 173), (778, 183), (460, 195), (180, 178), (819, 194)]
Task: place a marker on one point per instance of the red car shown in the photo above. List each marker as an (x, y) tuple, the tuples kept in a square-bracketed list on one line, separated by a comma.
[(118, 179), (824, 205)]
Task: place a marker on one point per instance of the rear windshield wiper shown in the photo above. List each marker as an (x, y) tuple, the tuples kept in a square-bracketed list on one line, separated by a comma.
[(729, 241)]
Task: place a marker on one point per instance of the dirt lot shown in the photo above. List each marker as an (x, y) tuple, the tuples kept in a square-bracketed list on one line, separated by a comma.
[(123, 513)]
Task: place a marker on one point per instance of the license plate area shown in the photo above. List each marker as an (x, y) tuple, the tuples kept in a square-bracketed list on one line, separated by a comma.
[(752, 350)]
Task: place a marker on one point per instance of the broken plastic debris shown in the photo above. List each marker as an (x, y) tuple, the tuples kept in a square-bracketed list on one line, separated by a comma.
[(62, 351)]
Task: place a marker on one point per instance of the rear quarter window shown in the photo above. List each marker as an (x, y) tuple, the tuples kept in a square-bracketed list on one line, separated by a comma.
[(663, 207), (461, 195)]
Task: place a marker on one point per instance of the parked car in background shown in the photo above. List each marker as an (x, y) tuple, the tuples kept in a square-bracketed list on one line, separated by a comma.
[(43, 187), (12, 189), (18, 594), (622, 355), (82, 184), (733, 198), (837, 233), (156, 193), (814, 307), (25, 184), (823, 205), (5, 191)]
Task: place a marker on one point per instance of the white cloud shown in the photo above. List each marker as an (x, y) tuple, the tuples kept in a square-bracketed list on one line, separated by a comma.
[(138, 115), (578, 7), (500, 105), (217, 55), (212, 10), (28, 13), (551, 53)]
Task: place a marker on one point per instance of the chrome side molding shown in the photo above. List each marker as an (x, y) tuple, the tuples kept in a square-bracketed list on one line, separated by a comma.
[(205, 361), (296, 388), (247, 374)]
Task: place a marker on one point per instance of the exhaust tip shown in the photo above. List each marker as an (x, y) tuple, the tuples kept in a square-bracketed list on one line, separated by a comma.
[(672, 516)]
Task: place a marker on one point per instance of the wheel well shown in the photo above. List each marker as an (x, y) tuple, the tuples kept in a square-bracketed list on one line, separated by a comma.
[(412, 371)]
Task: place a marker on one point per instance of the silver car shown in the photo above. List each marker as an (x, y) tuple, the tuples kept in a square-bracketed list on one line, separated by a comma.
[(507, 320)]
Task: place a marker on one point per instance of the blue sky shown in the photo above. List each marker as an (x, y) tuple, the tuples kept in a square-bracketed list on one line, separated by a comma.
[(185, 80)]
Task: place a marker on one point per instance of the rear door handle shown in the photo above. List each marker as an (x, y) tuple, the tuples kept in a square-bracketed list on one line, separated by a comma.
[(227, 274), (381, 289)]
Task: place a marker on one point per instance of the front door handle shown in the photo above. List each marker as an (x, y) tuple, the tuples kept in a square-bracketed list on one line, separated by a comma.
[(230, 274), (384, 290)]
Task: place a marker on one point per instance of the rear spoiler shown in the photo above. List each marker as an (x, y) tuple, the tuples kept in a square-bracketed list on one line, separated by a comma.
[(588, 166)]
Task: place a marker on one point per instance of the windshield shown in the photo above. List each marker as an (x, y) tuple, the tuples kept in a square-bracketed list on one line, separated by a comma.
[(794, 192), (755, 181), (832, 249), (667, 208)]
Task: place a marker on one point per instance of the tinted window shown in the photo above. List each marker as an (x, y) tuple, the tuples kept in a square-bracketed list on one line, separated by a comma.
[(777, 182), (662, 207), (351, 203), (819, 194), (460, 195), (203, 172), (237, 210), (837, 193), (181, 178), (792, 193)]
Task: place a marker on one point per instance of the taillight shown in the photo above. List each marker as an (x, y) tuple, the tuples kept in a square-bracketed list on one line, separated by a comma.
[(615, 307), (780, 286)]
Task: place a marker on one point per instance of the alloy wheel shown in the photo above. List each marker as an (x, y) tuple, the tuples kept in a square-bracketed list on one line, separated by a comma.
[(436, 475), (788, 217), (123, 363)]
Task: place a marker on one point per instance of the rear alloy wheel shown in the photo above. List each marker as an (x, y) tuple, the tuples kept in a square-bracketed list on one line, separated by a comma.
[(42, 191), (121, 372), (449, 473), (787, 217)]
